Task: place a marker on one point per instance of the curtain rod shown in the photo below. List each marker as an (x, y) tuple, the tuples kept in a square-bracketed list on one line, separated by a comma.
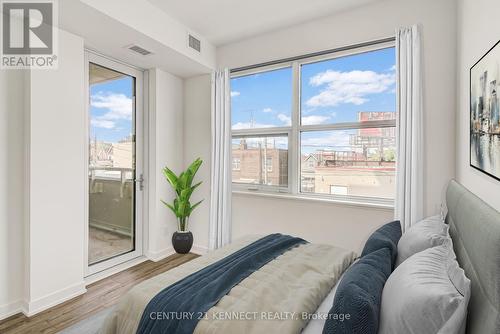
[(314, 54)]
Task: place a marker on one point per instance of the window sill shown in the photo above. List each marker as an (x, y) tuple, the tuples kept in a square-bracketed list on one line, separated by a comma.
[(385, 205)]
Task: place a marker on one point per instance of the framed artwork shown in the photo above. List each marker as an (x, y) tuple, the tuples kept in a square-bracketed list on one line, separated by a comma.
[(485, 113)]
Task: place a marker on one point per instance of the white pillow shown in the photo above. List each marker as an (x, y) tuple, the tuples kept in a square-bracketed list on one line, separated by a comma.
[(427, 233), (428, 293)]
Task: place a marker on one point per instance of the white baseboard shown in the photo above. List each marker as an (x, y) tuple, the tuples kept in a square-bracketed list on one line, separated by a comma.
[(164, 253), (11, 309), (156, 256), (41, 304), (200, 250)]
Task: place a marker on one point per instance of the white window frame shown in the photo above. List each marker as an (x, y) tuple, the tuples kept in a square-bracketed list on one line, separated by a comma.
[(236, 161), (264, 132), (268, 166), (93, 271), (296, 129)]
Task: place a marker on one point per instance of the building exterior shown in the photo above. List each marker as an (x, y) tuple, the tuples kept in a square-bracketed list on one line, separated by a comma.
[(365, 168), (260, 164)]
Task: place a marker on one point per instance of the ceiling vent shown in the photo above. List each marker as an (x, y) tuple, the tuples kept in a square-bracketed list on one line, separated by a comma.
[(139, 50), (194, 43)]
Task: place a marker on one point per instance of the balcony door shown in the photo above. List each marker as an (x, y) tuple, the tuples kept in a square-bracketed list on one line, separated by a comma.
[(115, 170)]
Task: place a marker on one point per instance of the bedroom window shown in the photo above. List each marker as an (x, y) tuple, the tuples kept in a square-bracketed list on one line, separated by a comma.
[(261, 105), (263, 161), (319, 127)]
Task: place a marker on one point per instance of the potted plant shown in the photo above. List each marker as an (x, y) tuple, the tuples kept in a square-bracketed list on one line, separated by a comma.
[(182, 240)]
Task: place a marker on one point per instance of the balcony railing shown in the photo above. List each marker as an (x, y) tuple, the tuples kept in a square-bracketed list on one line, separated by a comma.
[(109, 174)]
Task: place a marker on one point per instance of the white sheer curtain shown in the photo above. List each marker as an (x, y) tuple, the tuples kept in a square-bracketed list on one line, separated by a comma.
[(409, 184), (220, 199)]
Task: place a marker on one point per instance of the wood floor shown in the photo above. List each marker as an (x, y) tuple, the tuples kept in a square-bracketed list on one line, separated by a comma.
[(99, 296)]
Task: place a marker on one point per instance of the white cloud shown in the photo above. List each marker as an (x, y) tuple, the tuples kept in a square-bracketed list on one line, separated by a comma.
[(348, 87), (249, 125), (393, 68), (314, 119), (234, 93), (119, 105), (285, 119), (101, 123), (267, 110)]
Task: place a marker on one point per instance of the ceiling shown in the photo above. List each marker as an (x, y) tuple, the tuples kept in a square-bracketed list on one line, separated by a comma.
[(110, 37), (226, 21)]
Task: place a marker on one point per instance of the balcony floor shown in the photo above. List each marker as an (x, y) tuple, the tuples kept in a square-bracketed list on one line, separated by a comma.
[(105, 244)]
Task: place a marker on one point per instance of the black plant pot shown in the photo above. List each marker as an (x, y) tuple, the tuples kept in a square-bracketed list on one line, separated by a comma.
[(182, 242)]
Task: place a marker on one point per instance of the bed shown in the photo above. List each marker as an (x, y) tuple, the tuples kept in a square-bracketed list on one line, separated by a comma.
[(475, 230), (303, 280)]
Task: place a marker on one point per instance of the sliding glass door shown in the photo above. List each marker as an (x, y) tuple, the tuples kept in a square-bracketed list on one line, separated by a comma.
[(115, 181)]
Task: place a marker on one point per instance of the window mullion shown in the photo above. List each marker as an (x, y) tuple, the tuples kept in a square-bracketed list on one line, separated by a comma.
[(349, 126), (294, 159)]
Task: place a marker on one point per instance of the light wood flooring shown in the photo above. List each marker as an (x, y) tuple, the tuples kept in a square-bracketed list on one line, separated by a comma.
[(99, 296)]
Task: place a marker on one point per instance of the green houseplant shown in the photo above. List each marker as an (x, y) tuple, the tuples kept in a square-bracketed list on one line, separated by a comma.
[(183, 186)]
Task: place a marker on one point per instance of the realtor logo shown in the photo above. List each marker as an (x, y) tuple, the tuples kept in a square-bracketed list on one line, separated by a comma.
[(28, 34)]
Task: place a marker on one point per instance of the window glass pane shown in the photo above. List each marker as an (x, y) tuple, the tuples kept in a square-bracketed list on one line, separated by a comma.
[(112, 163), (349, 162), (262, 100), (338, 90), (261, 160)]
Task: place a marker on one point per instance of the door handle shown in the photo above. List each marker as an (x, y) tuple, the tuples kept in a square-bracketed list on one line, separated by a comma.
[(140, 180)]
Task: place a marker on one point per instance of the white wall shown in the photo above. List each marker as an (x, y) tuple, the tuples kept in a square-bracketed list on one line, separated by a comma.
[(320, 222), (197, 101), (478, 31), (378, 20), (165, 149), (11, 190), (56, 145)]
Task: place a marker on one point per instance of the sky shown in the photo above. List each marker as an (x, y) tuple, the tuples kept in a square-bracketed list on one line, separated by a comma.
[(332, 91), (111, 110)]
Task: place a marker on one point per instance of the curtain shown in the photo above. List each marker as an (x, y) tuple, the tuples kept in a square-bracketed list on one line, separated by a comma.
[(409, 166), (220, 199)]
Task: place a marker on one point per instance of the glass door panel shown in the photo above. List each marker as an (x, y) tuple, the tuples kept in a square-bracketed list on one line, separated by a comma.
[(112, 164)]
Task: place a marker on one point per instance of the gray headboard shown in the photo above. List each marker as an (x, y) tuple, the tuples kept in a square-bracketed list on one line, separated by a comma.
[(475, 230)]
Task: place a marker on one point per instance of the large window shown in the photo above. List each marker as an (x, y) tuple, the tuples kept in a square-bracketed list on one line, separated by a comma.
[(318, 127), (261, 121)]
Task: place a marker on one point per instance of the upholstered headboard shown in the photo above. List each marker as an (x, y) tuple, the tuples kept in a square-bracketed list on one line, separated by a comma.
[(475, 230)]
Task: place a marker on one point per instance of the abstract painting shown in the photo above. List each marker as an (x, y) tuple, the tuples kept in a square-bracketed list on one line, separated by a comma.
[(485, 113)]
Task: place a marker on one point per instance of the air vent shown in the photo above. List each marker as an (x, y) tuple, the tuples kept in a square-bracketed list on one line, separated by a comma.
[(194, 43), (139, 50)]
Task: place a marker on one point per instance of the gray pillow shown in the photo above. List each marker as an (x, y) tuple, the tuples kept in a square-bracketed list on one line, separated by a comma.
[(427, 233), (428, 293)]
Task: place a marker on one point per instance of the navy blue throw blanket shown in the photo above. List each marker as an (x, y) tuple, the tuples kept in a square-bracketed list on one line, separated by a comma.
[(178, 308)]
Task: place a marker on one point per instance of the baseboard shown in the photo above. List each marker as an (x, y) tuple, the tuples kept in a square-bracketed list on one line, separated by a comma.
[(11, 309), (41, 304), (160, 255), (164, 253), (200, 250)]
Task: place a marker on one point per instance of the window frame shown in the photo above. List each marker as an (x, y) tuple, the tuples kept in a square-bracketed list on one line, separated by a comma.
[(281, 132), (295, 130), (236, 161)]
